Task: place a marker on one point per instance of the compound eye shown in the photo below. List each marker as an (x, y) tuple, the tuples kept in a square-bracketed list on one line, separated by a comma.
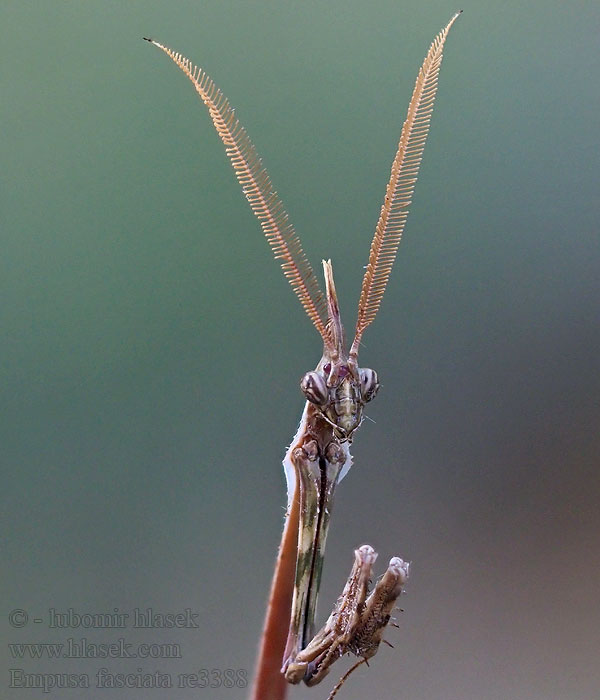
[(314, 387), (369, 383)]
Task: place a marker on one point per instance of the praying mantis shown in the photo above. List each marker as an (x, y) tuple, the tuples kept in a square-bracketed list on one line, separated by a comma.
[(336, 393)]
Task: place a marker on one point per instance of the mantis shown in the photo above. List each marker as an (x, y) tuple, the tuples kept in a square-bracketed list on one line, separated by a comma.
[(336, 393)]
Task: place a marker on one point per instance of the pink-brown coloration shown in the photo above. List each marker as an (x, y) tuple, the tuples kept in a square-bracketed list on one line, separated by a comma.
[(337, 391), (400, 188), (269, 682)]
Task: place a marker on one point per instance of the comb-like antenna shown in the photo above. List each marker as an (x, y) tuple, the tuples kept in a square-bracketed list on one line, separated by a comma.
[(398, 194), (258, 190)]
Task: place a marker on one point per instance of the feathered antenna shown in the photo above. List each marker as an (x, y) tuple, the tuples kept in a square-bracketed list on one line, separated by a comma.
[(398, 194), (258, 190)]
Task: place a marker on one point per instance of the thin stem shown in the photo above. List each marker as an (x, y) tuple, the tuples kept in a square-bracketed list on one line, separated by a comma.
[(344, 678), (269, 682)]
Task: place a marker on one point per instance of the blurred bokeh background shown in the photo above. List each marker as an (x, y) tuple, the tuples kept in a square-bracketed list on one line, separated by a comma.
[(151, 349)]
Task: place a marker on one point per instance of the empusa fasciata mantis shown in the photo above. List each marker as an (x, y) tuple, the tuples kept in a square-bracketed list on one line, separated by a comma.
[(336, 391)]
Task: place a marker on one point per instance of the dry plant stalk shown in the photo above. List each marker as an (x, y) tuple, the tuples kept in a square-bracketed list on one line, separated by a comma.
[(336, 391)]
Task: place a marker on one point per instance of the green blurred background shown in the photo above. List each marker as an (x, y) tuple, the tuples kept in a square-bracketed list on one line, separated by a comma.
[(151, 349)]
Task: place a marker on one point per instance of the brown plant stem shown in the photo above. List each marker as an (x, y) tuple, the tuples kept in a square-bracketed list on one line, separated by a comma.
[(269, 682)]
